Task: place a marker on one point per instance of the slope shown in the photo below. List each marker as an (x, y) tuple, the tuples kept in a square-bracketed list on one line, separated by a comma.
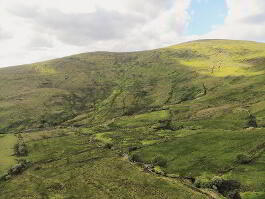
[(191, 111)]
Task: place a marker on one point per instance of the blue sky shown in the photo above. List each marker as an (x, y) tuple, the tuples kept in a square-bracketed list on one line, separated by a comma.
[(204, 15)]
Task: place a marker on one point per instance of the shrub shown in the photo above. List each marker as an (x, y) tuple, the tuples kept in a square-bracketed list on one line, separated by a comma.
[(20, 149), (217, 181), (243, 159), (135, 158), (159, 161), (227, 188), (252, 121), (233, 195), (202, 182), (108, 145), (132, 148)]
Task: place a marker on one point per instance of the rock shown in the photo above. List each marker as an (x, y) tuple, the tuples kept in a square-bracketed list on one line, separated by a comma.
[(15, 170), (8, 177), (148, 167), (234, 195), (215, 187), (19, 168), (21, 149), (250, 128), (3, 177)]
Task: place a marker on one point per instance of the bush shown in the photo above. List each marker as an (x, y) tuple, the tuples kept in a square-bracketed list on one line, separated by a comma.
[(234, 195), (216, 181), (135, 158), (243, 159), (159, 161), (252, 121), (132, 148), (202, 182), (21, 149), (108, 146), (227, 188)]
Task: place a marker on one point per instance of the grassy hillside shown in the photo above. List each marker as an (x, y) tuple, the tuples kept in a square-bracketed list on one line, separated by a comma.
[(164, 123), (7, 160)]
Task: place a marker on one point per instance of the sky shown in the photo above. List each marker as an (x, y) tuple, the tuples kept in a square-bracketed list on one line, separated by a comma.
[(38, 30)]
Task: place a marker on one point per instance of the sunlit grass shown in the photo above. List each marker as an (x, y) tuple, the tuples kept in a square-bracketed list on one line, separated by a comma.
[(7, 159), (222, 58), (44, 69)]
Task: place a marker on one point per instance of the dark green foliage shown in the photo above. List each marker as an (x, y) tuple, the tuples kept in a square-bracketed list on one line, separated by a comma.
[(228, 188), (132, 148), (21, 149), (159, 161), (204, 183), (135, 158), (252, 122), (234, 195), (4, 177), (243, 159), (164, 125), (108, 145)]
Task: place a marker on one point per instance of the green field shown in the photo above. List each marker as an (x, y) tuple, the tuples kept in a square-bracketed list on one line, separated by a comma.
[(7, 159), (177, 122), (74, 165)]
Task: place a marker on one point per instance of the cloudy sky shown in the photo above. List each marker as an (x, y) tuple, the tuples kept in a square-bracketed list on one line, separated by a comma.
[(35, 30)]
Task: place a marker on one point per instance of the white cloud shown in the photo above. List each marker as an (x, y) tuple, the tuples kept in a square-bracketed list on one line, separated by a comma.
[(46, 29), (4, 34), (245, 21), (35, 30)]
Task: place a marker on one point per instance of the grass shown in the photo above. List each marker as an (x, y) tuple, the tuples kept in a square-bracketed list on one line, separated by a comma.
[(188, 104), (103, 137), (221, 58), (7, 160), (209, 151), (253, 195), (142, 119), (63, 169)]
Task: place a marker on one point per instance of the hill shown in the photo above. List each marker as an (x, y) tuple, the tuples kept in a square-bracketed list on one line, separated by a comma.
[(191, 116)]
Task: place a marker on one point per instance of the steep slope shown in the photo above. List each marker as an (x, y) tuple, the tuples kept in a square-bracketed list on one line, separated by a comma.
[(192, 111)]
